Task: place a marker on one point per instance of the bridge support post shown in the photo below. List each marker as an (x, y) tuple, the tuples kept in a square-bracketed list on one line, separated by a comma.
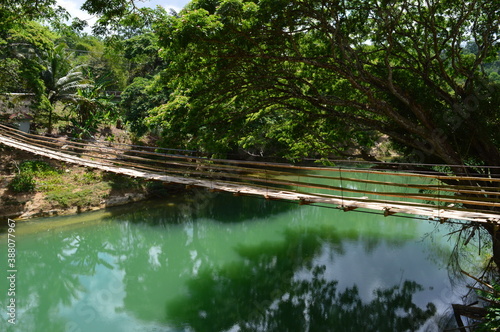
[(388, 212)]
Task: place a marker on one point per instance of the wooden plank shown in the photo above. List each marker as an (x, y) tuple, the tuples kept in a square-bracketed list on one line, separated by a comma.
[(214, 165), (242, 189), (296, 167), (425, 197)]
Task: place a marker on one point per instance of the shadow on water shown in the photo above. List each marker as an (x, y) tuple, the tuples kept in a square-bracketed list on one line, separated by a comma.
[(199, 203), (52, 277), (205, 276), (278, 287), (227, 208), (4, 225)]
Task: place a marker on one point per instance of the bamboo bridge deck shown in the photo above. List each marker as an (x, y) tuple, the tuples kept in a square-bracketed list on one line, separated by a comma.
[(426, 195)]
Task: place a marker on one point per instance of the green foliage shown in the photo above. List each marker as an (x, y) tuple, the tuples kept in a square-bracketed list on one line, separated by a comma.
[(89, 177), (22, 183), (14, 12), (114, 7), (20, 49), (66, 189), (140, 97), (82, 198), (142, 53), (90, 108), (330, 75), (121, 17), (135, 104), (61, 79), (25, 181), (492, 319), (78, 189), (37, 168), (100, 59)]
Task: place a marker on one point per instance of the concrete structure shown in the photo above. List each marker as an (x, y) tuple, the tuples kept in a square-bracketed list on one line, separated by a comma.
[(16, 109)]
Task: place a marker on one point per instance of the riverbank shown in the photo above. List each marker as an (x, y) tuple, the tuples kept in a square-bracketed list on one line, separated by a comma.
[(53, 188)]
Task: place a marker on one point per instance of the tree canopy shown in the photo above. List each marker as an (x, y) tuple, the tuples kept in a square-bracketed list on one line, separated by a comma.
[(288, 78), (13, 12), (322, 73)]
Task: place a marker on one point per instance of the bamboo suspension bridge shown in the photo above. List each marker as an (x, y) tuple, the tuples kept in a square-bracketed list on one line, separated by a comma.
[(427, 195)]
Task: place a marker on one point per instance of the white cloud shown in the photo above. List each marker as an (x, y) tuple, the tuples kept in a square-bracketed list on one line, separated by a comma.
[(176, 5), (73, 7)]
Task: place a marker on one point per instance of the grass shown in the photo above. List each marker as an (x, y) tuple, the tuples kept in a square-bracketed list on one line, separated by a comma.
[(28, 171), (70, 187), (81, 196)]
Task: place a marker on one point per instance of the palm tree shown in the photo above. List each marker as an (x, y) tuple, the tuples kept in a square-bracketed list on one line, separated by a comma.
[(61, 80)]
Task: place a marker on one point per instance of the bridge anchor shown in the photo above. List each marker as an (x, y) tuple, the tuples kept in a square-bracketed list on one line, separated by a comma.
[(346, 208), (270, 198), (303, 201), (388, 212)]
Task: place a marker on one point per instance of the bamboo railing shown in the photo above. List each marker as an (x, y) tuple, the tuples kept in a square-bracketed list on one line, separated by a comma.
[(433, 195)]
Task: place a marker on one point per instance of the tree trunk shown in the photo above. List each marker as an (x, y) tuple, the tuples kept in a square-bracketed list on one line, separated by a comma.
[(49, 125), (494, 231)]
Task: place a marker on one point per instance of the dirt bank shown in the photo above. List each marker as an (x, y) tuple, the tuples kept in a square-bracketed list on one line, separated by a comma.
[(66, 189)]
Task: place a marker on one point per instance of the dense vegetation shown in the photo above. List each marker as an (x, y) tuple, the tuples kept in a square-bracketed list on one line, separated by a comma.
[(74, 76), (289, 79)]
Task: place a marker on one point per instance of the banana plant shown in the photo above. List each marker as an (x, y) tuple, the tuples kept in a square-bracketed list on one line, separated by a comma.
[(90, 107), (62, 80)]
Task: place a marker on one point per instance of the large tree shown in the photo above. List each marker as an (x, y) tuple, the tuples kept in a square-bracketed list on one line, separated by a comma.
[(13, 12), (414, 70), (21, 50), (313, 75)]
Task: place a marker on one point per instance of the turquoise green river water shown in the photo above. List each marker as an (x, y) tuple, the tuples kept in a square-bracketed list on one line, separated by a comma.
[(214, 262)]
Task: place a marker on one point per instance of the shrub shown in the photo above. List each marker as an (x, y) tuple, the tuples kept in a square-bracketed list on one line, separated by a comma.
[(22, 183), (491, 295), (36, 167)]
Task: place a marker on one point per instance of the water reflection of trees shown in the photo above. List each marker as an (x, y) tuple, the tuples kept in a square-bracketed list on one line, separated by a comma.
[(263, 292), (49, 278), (46, 281), (199, 203), (264, 289)]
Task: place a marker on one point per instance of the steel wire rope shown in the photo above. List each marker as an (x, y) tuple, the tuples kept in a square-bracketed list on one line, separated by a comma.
[(464, 167), (297, 184), (366, 184)]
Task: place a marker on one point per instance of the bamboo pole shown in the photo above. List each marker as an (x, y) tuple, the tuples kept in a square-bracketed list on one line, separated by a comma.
[(445, 188), (346, 203), (38, 145), (480, 201), (296, 167)]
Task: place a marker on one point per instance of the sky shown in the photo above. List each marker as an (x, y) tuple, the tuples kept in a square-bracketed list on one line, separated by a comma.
[(73, 7)]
